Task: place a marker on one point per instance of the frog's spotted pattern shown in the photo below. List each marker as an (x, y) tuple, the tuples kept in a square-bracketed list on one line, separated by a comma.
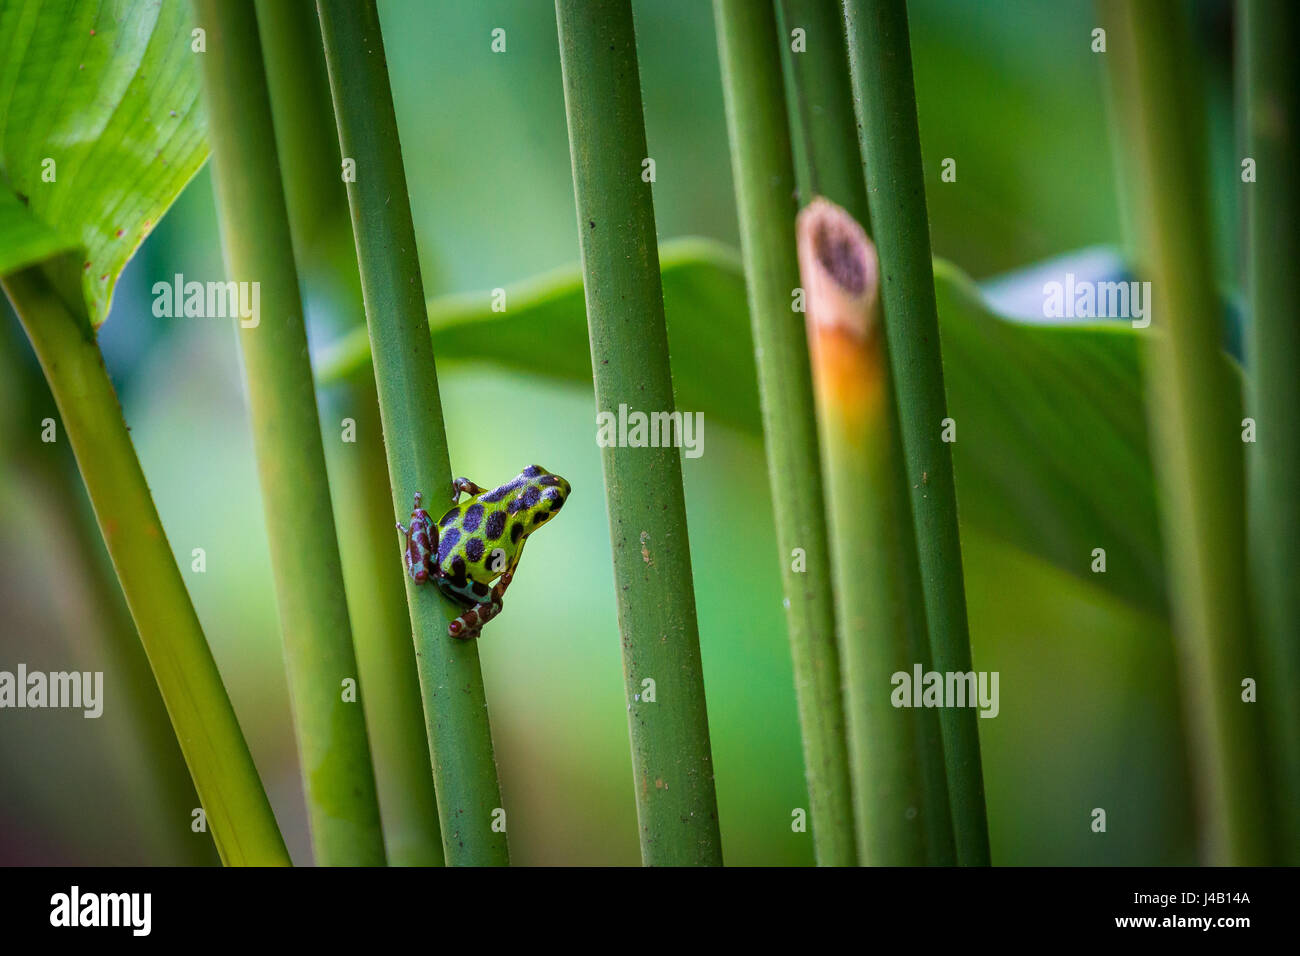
[(455, 554), (449, 539), (473, 518)]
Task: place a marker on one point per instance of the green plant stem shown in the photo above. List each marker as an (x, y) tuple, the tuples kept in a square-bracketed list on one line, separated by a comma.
[(764, 172), (1192, 405), (342, 804), (159, 788), (822, 110), (455, 709), (671, 759), (306, 134), (881, 69), (1269, 31), (840, 278), (237, 811), (374, 574), (908, 603), (307, 138)]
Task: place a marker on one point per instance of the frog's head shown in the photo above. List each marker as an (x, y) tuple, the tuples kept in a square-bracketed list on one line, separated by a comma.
[(540, 497)]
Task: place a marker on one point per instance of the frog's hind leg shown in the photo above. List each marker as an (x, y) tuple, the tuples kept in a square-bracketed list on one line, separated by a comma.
[(464, 484), (469, 624)]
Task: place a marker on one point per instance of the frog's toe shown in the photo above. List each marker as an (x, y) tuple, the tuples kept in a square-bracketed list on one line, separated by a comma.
[(460, 630)]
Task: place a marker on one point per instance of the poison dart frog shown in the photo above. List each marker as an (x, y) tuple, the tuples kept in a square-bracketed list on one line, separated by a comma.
[(479, 539)]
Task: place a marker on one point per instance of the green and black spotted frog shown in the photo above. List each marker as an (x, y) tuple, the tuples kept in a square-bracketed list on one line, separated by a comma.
[(480, 540)]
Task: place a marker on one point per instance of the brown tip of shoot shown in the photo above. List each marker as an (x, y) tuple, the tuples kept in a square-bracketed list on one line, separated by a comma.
[(838, 268), (841, 282)]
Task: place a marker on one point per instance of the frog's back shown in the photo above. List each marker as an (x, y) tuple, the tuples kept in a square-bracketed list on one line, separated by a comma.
[(481, 536)]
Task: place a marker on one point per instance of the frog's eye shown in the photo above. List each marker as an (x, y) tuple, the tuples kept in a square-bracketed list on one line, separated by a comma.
[(532, 471)]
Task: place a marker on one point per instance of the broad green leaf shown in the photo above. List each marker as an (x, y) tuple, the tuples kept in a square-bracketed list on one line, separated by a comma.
[(1051, 451), (24, 239), (99, 131)]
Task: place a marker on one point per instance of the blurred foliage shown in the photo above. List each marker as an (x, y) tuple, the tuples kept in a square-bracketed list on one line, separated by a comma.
[(1088, 716)]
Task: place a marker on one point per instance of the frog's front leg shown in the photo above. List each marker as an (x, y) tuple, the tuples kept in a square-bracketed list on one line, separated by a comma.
[(421, 552), (464, 484)]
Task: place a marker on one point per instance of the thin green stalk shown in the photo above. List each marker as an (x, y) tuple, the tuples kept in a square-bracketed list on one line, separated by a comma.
[(840, 279), (1193, 402), (908, 604), (306, 134), (451, 681), (329, 721), (307, 138), (671, 760), (237, 811), (159, 789), (764, 172), (160, 784), (1269, 31), (880, 62), (822, 110), (373, 574)]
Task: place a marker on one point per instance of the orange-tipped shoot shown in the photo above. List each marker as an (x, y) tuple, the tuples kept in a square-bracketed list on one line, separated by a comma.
[(841, 283)]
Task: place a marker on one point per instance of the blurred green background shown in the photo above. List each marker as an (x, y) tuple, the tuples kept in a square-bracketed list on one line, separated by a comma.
[(1088, 717)]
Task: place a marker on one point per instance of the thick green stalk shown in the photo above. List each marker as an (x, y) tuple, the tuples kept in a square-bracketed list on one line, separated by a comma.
[(840, 278), (329, 721), (764, 172), (1269, 31), (671, 759), (307, 138), (822, 114), (822, 110), (305, 132), (908, 605), (451, 681), (373, 574), (1192, 403), (237, 811), (881, 67)]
